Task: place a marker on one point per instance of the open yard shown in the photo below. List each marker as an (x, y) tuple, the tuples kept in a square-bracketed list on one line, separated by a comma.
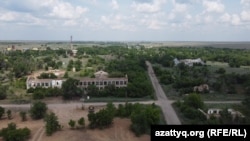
[(119, 131)]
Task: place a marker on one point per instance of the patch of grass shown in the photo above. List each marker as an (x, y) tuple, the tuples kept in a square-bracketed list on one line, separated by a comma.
[(219, 64), (221, 106), (213, 66), (222, 97)]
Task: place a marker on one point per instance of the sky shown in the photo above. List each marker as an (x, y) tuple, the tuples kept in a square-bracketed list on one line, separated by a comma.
[(125, 20)]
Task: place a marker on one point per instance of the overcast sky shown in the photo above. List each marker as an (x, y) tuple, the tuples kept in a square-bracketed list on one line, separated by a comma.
[(125, 20)]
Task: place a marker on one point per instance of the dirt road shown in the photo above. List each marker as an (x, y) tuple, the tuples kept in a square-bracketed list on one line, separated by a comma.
[(165, 104)]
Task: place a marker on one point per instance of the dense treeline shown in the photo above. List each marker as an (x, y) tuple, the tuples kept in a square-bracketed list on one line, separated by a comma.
[(135, 69), (235, 57)]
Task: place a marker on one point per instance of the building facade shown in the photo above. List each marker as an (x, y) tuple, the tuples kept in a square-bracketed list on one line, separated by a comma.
[(101, 80)]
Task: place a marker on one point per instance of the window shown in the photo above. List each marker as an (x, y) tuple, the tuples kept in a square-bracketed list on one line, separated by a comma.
[(109, 82), (105, 83), (101, 83), (113, 82), (97, 83), (42, 84), (89, 83), (81, 83), (84, 83), (121, 82), (117, 82), (93, 83), (46, 84)]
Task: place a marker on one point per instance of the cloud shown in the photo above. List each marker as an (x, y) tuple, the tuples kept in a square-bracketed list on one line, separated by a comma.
[(146, 7), (8, 16), (155, 24), (67, 11), (114, 5), (225, 18), (213, 6), (245, 2), (236, 20), (245, 16), (179, 7), (26, 18), (118, 22)]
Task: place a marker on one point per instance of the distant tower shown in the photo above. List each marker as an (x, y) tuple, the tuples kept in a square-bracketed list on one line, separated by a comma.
[(74, 51), (71, 45)]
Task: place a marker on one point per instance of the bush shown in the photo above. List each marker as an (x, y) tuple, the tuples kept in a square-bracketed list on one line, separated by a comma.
[(72, 123), (38, 110), (23, 116), (81, 122), (38, 94), (52, 124), (11, 133), (3, 92), (2, 111), (9, 114)]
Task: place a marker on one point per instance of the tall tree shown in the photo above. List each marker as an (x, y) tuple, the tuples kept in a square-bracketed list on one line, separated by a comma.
[(52, 124), (70, 89), (38, 110)]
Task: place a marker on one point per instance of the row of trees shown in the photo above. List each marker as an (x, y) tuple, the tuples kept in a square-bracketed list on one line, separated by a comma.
[(235, 57), (142, 116)]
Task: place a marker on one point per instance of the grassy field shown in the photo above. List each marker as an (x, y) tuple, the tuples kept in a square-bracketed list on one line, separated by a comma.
[(213, 66)]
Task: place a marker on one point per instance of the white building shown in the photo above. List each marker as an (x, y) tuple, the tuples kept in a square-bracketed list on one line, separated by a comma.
[(101, 80), (43, 83), (188, 62)]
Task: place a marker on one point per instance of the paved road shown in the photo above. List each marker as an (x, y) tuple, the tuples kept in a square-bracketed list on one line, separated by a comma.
[(165, 104)]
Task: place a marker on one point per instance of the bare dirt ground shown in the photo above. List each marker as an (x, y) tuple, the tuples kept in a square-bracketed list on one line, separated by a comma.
[(119, 131)]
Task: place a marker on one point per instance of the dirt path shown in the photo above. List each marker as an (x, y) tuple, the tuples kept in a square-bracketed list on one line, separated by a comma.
[(38, 135)]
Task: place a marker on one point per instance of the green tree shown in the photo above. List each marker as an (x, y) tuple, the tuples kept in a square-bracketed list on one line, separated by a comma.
[(101, 119), (81, 122), (110, 107), (3, 92), (2, 111), (144, 116), (66, 75), (78, 65), (9, 115), (72, 123), (38, 94), (70, 89), (38, 110), (23, 115), (52, 124), (194, 100), (221, 71), (11, 133), (70, 65)]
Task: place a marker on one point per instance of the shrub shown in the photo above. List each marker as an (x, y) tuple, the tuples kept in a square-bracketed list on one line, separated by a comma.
[(52, 124), (72, 123), (11, 133), (23, 116), (38, 110), (2, 111)]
